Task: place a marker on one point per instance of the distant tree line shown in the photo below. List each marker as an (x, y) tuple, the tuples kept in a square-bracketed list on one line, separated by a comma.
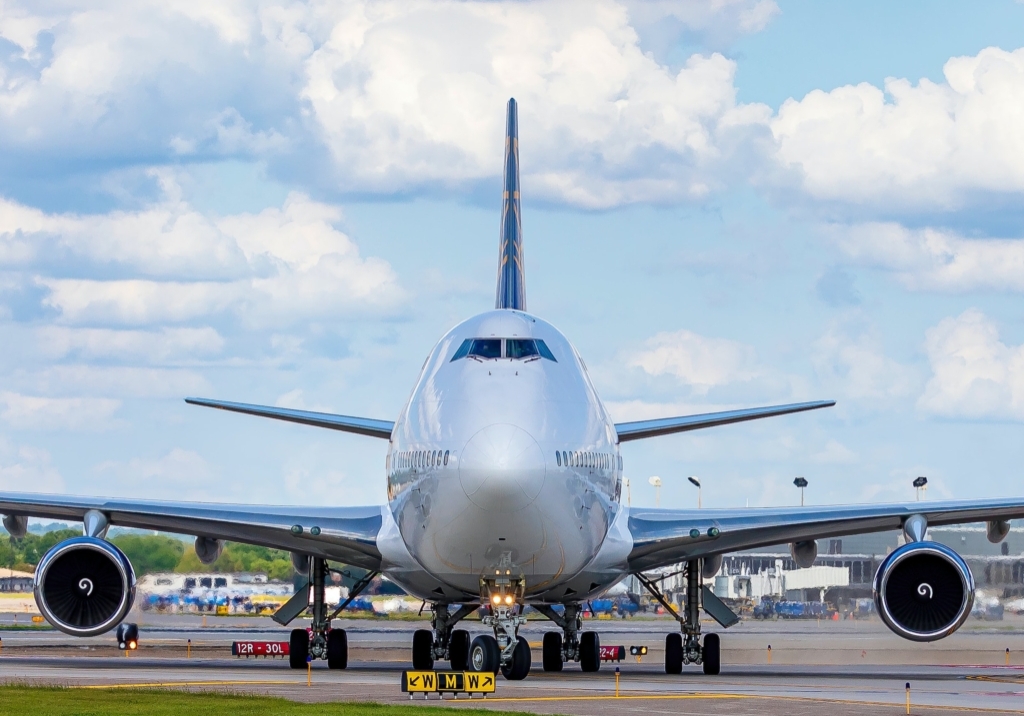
[(153, 553)]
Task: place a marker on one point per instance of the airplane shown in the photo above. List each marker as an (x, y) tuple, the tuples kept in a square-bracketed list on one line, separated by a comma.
[(504, 477)]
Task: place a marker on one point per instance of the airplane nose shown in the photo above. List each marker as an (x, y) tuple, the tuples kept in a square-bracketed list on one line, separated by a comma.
[(502, 467)]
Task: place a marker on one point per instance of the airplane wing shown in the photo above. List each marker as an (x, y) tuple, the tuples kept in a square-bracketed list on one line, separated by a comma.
[(345, 423), (662, 537), (346, 534), (640, 429)]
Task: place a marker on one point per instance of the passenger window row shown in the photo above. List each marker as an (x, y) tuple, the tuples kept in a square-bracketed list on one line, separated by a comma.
[(419, 458), (511, 348), (597, 460)]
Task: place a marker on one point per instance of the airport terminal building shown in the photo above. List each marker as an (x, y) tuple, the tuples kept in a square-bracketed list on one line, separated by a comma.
[(998, 568), (845, 567)]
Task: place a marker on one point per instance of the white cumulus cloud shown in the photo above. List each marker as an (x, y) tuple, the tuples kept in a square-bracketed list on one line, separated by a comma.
[(936, 259), (24, 468), (924, 145), (974, 373), (176, 264), (36, 412), (699, 361), (157, 346), (411, 93), (850, 359), (404, 96)]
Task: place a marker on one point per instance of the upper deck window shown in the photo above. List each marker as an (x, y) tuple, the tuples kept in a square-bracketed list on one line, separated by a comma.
[(511, 348)]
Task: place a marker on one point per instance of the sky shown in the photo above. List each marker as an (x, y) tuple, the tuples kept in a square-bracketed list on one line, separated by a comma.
[(725, 204)]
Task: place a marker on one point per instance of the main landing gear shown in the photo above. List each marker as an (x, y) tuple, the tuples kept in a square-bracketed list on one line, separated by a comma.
[(320, 641), (442, 642), (573, 644), (685, 647)]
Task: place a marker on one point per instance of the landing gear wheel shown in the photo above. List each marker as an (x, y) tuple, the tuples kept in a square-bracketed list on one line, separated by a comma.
[(484, 655), (521, 658), (298, 648), (712, 655), (552, 651), (590, 651), (423, 650), (674, 654), (458, 650), (337, 649)]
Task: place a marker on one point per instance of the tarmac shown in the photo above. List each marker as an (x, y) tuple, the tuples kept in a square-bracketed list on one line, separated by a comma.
[(814, 667)]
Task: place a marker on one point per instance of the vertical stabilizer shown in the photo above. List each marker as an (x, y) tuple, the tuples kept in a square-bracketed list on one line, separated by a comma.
[(511, 280)]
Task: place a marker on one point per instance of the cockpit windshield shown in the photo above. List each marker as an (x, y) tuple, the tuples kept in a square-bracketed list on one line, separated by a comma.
[(520, 348), (511, 348)]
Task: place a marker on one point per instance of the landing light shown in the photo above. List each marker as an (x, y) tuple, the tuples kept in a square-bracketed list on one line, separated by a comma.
[(509, 599), (496, 599)]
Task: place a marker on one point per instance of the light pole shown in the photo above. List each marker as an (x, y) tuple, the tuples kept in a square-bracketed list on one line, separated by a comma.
[(695, 481), (801, 483), (629, 495), (656, 481), (921, 483)]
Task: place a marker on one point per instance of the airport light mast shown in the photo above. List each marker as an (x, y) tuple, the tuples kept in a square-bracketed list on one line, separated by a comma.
[(921, 483), (801, 483), (695, 481), (656, 481)]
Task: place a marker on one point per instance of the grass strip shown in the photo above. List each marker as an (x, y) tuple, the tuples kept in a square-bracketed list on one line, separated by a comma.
[(16, 700)]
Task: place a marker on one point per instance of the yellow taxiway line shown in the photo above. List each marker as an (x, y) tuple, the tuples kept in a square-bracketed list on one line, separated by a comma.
[(723, 696), (158, 684), (692, 696)]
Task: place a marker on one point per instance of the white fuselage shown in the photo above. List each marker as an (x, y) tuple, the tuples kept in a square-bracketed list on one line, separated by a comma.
[(508, 457)]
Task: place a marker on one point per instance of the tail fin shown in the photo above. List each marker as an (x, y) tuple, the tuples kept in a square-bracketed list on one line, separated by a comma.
[(511, 279)]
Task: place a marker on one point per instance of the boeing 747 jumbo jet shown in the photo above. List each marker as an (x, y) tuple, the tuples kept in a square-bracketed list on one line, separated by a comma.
[(504, 479)]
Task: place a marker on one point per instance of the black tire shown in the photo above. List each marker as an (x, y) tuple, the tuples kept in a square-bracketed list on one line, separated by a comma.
[(298, 648), (712, 654), (674, 654), (484, 655), (519, 669), (423, 650), (337, 649), (458, 650), (552, 651), (590, 651)]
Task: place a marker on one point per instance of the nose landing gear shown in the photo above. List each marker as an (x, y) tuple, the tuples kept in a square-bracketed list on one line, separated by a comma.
[(503, 587)]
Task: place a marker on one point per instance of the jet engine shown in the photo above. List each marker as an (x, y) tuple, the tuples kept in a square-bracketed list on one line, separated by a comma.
[(84, 586), (924, 591)]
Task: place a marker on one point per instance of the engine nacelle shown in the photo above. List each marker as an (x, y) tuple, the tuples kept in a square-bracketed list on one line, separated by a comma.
[(208, 549), (16, 525), (804, 553), (84, 586), (712, 566), (924, 591)]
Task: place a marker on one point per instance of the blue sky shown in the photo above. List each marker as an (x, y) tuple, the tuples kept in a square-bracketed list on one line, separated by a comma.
[(728, 204)]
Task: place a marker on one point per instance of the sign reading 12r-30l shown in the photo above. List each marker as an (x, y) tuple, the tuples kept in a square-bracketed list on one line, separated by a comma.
[(455, 682)]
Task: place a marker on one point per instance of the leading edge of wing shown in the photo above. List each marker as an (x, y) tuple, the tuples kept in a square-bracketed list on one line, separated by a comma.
[(346, 423), (640, 429), (662, 537), (347, 534)]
